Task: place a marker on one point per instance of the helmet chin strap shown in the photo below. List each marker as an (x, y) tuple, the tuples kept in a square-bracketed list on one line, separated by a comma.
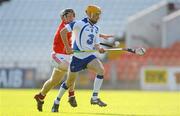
[(91, 22)]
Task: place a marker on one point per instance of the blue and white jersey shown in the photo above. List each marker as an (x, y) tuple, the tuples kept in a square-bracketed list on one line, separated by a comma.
[(84, 36)]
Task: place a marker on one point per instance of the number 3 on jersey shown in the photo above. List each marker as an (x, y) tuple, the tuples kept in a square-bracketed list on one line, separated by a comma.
[(90, 40)]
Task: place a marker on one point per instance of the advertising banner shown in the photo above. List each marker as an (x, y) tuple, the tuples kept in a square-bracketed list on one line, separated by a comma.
[(17, 78), (160, 78)]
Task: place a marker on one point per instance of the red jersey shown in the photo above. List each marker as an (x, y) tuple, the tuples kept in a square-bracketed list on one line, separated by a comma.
[(58, 45)]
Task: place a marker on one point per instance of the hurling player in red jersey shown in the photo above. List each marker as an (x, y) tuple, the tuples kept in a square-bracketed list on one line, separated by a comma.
[(60, 61)]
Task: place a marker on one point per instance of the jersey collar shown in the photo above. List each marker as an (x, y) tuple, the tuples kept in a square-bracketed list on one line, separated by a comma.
[(86, 20)]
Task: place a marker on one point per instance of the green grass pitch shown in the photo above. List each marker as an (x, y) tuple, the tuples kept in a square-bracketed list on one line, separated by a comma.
[(20, 102)]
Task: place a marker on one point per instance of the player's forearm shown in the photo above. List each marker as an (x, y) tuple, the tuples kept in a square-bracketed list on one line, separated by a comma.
[(105, 36), (63, 34), (102, 35)]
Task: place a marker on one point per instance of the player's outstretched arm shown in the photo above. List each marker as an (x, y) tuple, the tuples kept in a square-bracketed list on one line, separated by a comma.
[(105, 36), (63, 34)]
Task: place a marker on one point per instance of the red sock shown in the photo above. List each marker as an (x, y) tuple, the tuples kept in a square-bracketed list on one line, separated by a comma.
[(71, 93)]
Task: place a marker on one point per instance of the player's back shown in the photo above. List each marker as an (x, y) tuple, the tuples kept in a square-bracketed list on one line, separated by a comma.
[(58, 46)]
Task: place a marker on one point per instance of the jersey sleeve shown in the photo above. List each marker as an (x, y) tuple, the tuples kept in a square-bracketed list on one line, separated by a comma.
[(73, 25), (70, 26)]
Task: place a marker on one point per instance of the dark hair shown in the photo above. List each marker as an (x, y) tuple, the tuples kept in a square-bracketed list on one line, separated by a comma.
[(66, 11)]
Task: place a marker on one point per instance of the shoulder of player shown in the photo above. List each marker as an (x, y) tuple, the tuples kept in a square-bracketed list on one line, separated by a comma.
[(79, 22), (82, 22)]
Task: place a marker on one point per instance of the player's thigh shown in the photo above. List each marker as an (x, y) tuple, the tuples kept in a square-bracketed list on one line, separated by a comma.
[(96, 66), (63, 66), (57, 75), (60, 61)]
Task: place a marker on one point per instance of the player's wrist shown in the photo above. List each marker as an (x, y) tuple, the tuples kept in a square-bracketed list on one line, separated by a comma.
[(67, 47), (101, 50)]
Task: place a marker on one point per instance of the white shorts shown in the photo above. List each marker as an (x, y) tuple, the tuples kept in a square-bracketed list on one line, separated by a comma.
[(58, 59)]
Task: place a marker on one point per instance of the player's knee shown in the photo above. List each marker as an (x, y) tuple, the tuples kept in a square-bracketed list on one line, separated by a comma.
[(100, 71), (62, 68), (54, 81)]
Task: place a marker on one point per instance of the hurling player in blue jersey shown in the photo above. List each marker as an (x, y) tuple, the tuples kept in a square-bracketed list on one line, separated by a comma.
[(85, 35)]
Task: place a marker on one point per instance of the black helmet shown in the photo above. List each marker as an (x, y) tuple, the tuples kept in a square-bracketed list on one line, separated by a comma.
[(66, 11)]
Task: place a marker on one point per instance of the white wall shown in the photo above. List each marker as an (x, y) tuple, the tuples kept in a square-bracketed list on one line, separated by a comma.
[(144, 28), (171, 28)]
